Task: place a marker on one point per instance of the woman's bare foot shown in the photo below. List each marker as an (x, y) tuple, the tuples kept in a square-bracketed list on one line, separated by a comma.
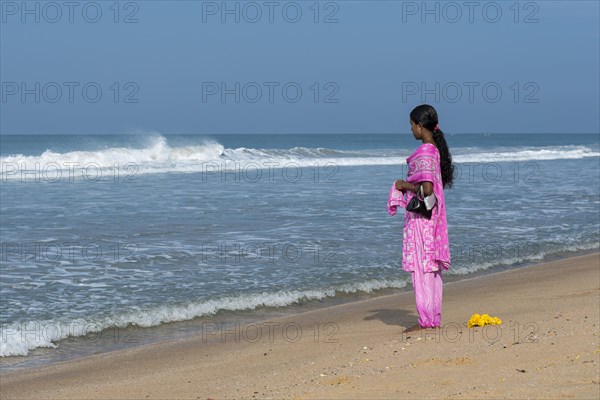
[(413, 328)]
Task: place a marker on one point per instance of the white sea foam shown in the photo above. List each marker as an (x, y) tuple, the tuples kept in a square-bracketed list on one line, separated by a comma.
[(480, 263), (18, 339), (160, 157)]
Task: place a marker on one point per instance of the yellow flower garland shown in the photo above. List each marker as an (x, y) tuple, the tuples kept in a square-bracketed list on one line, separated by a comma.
[(481, 320)]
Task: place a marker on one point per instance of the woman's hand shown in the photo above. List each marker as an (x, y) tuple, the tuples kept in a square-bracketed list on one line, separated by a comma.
[(427, 188)]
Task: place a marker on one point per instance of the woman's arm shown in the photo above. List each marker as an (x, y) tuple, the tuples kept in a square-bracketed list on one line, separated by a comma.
[(403, 185)]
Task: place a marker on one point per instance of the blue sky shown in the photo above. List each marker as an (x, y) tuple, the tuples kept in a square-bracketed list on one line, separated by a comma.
[(298, 67)]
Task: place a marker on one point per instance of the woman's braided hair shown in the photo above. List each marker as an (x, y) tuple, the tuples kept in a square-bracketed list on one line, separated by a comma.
[(428, 118)]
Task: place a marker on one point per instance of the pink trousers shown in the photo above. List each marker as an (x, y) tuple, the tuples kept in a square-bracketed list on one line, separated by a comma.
[(428, 296)]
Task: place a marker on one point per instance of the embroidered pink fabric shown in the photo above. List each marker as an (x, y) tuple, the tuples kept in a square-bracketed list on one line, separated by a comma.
[(423, 165)]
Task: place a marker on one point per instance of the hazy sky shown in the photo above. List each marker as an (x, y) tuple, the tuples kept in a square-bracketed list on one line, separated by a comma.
[(298, 67)]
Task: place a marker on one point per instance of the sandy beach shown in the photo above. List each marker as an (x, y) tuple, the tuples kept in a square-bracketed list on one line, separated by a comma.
[(548, 346)]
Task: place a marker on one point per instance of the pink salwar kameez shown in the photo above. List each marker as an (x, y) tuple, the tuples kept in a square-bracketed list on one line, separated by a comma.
[(425, 247)]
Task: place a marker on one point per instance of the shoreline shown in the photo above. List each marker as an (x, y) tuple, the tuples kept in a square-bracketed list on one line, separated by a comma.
[(357, 350), (121, 339)]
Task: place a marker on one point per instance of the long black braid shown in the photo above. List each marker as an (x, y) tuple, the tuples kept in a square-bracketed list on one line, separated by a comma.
[(428, 118)]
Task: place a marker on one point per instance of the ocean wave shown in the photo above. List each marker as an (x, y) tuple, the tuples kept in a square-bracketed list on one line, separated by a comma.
[(466, 265), (210, 157), (18, 339)]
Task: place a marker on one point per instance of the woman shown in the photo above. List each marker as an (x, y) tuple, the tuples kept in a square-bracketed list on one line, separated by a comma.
[(425, 248)]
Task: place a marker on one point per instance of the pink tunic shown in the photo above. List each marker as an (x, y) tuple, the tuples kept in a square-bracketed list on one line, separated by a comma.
[(425, 242)]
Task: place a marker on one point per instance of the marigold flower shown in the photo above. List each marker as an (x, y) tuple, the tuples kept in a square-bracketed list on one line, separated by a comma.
[(481, 320)]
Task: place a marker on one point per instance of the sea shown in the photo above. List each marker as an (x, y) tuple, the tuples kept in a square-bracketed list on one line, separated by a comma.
[(117, 241)]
